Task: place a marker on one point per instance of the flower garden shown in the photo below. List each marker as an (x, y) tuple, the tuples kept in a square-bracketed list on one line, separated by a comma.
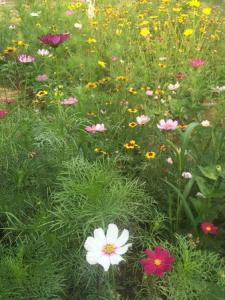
[(112, 150)]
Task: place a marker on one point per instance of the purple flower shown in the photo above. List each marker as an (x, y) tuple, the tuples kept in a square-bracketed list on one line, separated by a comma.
[(54, 39), (24, 58), (42, 77)]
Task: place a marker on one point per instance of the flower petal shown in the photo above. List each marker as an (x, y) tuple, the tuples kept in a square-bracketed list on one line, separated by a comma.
[(124, 249), (92, 257), (115, 259), (92, 244), (104, 261), (123, 238), (112, 233), (100, 235)]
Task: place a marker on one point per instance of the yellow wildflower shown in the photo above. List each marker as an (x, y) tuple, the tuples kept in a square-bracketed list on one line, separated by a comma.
[(188, 32), (101, 63), (150, 154), (207, 11), (91, 41), (91, 85), (144, 32), (41, 93)]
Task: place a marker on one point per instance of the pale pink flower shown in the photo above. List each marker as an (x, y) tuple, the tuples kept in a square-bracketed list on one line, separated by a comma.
[(197, 62), (141, 120), (149, 93), (69, 101), (42, 77), (95, 128), (169, 160), (167, 125), (114, 58), (69, 12), (24, 58)]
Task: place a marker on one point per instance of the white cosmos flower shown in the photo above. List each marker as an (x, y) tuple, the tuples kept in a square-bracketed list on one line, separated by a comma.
[(173, 87), (35, 13), (205, 123), (106, 249), (186, 175), (43, 52)]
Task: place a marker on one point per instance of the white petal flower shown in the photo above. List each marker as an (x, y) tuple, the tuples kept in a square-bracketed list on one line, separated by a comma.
[(205, 123), (187, 175), (106, 249), (173, 87)]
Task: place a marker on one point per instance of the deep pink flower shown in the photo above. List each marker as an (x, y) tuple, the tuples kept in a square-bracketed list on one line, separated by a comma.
[(167, 125), (69, 101), (24, 58), (95, 128), (42, 77), (3, 112), (54, 39), (158, 262), (197, 62), (209, 228)]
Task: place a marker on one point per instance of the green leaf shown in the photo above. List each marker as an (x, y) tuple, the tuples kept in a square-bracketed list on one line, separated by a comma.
[(209, 172)]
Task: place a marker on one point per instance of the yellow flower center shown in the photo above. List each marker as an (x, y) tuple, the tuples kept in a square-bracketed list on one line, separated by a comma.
[(109, 249), (157, 262)]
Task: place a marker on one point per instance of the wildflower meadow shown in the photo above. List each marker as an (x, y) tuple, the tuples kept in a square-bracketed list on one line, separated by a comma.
[(112, 150)]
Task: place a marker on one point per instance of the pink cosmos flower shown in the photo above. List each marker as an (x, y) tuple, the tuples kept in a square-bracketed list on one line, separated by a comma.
[(42, 77), (167, 125), (197, 62), (141, 120), (209, 228), (54, 39), (95, 128), (158, 262), (24, 58), (69, 12), (149, 93), (3, 112), (69, 101)]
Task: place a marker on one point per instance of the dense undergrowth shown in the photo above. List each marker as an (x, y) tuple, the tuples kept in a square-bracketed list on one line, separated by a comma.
[(84, 145)]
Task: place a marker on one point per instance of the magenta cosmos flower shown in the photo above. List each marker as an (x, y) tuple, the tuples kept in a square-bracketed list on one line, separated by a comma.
[(167, 125), (209, 228), (197, 62), (158, 262), (69, 101), (3, 112), (24, 58), (54, 39), (95, 128)]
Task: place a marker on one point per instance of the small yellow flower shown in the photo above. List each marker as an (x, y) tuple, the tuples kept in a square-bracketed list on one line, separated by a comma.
[(144, 32), (132, 91), (132, 124), (9, 50), (131, 145), (91, 85), (150, 154), (188, 32), (132, 110), (207, 11), (194, 3), (101, 63), (118, 31), (181, 126), (41, 93), (162, 147), (121, 78), (91, 41), (20, 43)]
